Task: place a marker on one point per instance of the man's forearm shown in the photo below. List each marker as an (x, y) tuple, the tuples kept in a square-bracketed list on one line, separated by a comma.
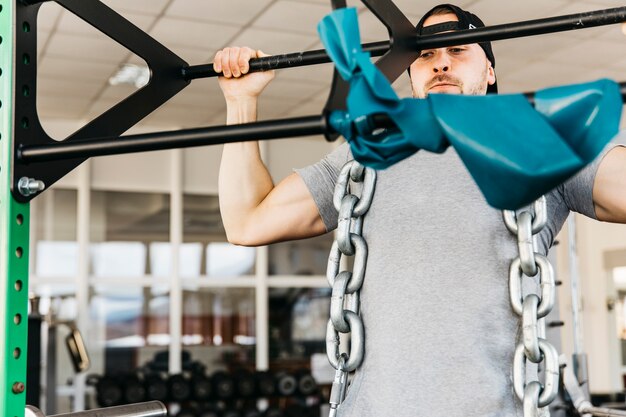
[(244, 181)]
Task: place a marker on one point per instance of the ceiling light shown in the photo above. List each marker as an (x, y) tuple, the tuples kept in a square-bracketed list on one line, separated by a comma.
[(137, 75)]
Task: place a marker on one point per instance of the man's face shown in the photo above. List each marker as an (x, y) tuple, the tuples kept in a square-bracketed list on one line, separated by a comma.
[(461, 69)]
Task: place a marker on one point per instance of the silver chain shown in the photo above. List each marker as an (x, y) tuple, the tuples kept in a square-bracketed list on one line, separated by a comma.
[(532, 309), (344, 303)]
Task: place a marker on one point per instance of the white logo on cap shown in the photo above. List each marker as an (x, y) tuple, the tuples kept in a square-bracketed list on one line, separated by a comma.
[(472, 26)]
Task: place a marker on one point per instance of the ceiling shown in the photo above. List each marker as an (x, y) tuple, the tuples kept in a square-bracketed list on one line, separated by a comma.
[(76, 61)]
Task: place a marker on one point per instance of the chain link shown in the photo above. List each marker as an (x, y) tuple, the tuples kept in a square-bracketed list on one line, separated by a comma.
[(532, 309), (344, 303)]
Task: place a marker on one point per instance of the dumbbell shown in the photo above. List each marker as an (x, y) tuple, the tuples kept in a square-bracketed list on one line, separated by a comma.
[(245, 384), (306, 383), (134, 389), (265, 384), (179, 387), (109, 391), (286, 384), (201, 387), (223, 385), (156, 387)]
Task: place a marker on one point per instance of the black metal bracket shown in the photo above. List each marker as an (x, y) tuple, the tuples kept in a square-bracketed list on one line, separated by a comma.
[(165, 82), (392, 64), (402, 35)]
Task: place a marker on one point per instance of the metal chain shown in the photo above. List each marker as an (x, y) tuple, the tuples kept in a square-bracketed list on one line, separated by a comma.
[(344, 304), (532, 309)]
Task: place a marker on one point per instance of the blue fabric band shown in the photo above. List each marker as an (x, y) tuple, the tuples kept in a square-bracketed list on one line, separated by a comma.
[(514, 152)]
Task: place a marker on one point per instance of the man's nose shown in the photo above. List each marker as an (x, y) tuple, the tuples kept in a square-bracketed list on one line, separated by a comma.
[(441, 64)]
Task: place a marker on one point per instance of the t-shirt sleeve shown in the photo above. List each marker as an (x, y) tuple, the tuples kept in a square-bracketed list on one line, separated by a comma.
[(577, 192), (320, 179)]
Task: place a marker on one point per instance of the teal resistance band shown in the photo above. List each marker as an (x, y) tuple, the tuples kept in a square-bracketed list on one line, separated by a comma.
[(514, 152)]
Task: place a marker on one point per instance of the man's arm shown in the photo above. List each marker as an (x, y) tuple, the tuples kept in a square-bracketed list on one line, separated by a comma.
[(254, 211), (609, 187)]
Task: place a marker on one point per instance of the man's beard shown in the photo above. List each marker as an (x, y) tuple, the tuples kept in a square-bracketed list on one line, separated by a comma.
[(443, 78), (476, 89)]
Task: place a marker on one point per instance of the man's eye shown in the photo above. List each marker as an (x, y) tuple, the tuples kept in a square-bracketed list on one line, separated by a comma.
[(456, 50), (426, 55)]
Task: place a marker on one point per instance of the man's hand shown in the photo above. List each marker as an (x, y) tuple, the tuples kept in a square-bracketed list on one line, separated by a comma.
[(233, 63)]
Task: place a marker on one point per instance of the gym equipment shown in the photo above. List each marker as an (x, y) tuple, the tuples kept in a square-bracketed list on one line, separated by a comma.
[(51, 327), (109, 391), (306, 383), (245, 384), (128, 388), (156, 387), (286, 384), (266, 384), (201, 387), (223, 385), (30, 161), (40, 158), (579, 359), (180, 388), (147, 409), (579, 398), (134, 389)]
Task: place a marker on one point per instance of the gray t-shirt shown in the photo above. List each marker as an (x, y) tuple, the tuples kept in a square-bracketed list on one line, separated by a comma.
[(439, 330)]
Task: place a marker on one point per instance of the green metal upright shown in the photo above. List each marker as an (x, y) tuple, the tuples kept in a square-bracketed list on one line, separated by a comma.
[(14, 227)]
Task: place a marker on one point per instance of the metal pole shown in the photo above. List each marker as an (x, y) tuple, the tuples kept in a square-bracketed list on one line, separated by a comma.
[(491, 33), (14, 240), (579, 357), (81, 280), (273, 129), (603, 412), (176, 239), (147, 409), (575, 289)]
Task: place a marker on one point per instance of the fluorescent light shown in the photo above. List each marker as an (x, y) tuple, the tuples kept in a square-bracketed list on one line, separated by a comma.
[(137, 75)]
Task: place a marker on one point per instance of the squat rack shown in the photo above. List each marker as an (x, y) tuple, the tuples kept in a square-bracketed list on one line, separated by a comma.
[(30, 160)]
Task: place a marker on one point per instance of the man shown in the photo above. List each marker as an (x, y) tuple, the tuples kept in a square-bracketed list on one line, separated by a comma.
[(439, 329)]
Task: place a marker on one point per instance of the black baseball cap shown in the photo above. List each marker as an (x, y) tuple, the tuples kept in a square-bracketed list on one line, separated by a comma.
[(467, 20)]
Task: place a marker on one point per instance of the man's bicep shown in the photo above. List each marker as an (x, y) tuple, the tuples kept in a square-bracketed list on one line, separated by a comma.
[(288, 212), (609, 188)]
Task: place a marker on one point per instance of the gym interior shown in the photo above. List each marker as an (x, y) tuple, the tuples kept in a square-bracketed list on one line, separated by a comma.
[(135, 293)]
